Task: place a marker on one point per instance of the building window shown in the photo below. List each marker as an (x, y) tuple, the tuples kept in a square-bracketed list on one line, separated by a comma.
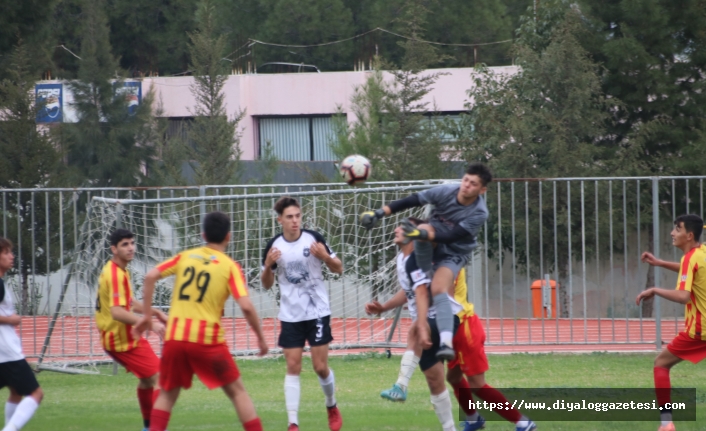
[(301, 138)]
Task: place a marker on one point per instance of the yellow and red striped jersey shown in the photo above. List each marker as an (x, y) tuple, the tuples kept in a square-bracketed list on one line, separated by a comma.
[(114, 289), (204, 279), (461, 294), (692, 278)]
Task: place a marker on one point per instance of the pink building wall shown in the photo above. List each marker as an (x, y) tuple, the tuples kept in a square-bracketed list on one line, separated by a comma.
[(298, 94)]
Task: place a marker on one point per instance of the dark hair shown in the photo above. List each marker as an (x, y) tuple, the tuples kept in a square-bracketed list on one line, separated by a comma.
[(692, 223), (482, 171), (5, 245), (119, 235), (285, 202), (216, 226)]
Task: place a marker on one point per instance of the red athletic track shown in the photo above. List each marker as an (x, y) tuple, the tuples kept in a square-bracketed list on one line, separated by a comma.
[(502, 336)]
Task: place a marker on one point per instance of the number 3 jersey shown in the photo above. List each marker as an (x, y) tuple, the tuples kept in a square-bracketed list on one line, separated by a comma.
[(204, 279), (298, 271)]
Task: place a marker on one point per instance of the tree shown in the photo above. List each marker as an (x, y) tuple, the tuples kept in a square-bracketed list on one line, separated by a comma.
[(307, 22), (28, 160), (214, 150), (27, 21), (546, 121), (109, 145)]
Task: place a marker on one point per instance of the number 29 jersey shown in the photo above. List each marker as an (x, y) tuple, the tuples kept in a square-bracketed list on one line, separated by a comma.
[(204, 279)]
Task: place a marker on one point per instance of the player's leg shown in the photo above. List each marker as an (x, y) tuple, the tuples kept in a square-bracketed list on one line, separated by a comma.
[(175, 372), (410, 360), (147, 393), (441, 284), (462, 391), (144, 364), (23, 384), (318, 338), (162, 408), (244, 407), (292, 386), (440, 398), (11, 405), (663, 387), (488, 393)]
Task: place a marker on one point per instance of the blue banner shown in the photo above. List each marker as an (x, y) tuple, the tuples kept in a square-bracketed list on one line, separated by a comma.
[(49, 99)]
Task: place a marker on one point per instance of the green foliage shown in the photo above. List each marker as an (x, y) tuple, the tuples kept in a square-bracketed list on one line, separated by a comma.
[(270, 163), (107, 146), (215, 148), (27, 21)]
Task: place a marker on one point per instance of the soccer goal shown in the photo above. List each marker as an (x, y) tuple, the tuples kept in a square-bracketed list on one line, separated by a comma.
[(164, 227)]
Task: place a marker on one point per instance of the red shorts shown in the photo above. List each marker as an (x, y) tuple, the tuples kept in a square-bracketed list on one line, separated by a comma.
[(687, 348), (469, 344), (212, 363), (140, 361)]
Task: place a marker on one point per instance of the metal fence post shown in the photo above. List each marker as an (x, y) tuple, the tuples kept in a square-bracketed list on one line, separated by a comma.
[(655, 251)]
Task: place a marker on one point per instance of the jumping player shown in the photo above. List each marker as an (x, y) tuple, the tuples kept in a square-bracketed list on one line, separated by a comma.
[(690, 344), (194, 341), (447, 241), (115, 317), (15, 373), (296, 256)]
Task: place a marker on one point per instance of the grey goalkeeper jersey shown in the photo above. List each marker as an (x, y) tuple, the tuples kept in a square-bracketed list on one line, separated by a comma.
[(448, 213)]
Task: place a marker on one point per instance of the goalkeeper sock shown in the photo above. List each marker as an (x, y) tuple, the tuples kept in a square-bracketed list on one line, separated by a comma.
[(407, 367), (444, 318), (424, 252)]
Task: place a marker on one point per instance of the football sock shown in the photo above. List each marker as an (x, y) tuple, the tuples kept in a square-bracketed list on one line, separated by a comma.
[(464, 403), (424, 252), (442, 407), (492, 395), (329, 387), (23, 413), (9, 411), (159, 420), (253, 425), (292, 392), (663, 388), (444, 318), (407, 367), (145, 398), (155, 395)]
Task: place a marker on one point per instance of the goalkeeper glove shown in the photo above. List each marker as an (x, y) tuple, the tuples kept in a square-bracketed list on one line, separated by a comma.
[(413, 232), (370, 219)]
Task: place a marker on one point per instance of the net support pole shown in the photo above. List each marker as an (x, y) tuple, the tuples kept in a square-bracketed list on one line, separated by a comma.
[(64, 288), (398, 313), (655, 251), (202, 204)]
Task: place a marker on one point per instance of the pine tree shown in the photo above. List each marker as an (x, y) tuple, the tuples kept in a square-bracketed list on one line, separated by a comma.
[(214, 150), (29, 160), (108, 146)]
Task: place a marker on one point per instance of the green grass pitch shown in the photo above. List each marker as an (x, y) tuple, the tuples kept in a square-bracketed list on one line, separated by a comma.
[(108, 403)]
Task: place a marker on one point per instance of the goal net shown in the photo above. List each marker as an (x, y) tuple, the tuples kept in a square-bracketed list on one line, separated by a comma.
[(164, 227)]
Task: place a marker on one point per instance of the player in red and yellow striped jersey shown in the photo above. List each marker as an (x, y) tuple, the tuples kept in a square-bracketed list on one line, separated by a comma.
[(690, 344), (115, 317), (194, 341)]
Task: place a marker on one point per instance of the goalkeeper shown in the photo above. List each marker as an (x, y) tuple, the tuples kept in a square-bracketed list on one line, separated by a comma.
[(447, 240)]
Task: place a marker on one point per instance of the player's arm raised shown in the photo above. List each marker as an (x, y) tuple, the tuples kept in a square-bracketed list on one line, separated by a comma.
[(253, 320), (397, 300)]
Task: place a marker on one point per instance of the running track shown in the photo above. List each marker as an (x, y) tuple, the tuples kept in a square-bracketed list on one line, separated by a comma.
[(80, 338)]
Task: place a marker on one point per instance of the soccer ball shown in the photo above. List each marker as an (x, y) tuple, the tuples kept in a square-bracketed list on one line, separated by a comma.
[(355, 169)]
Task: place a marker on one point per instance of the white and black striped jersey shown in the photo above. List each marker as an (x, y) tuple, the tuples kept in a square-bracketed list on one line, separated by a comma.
[(303, 293)]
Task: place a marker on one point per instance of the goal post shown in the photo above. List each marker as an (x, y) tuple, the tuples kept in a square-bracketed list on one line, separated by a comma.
[(164, 227)]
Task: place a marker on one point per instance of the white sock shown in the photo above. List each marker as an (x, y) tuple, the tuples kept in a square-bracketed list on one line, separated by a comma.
[(329, 387), (442, 407), (292, 391), (23, 413), (446, 337), (407, 367), (9, 411)]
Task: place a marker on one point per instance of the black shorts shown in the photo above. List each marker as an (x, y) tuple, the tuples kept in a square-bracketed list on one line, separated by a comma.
[(19, 376), (295, 334), (429, 358)]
